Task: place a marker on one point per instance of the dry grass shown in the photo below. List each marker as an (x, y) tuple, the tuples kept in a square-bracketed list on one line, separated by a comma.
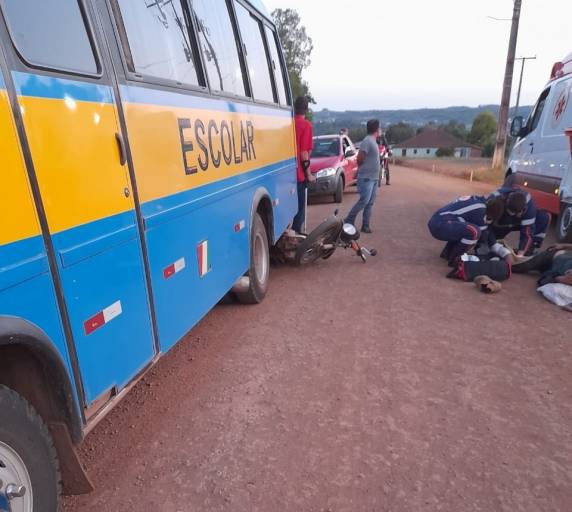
[(477, 169)]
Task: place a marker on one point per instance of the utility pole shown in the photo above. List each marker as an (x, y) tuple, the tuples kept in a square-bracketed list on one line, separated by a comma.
[(498, 159), (523, 59)]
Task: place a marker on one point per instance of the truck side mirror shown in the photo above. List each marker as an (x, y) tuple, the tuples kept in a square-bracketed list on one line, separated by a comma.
[(517, 127)]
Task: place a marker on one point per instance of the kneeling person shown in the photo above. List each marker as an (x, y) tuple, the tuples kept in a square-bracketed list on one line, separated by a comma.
[(521, 214), (463, 223)]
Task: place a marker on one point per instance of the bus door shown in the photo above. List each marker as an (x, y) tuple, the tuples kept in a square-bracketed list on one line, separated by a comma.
[(67, 106)]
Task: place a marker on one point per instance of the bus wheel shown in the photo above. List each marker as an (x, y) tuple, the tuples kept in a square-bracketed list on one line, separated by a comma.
[(259, 272), (564, 230), (29, 471)]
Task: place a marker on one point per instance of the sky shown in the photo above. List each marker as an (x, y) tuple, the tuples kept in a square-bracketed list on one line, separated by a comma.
[(382, 54)]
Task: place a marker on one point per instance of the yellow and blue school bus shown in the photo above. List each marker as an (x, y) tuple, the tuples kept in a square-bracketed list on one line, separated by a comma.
[(147, 164)]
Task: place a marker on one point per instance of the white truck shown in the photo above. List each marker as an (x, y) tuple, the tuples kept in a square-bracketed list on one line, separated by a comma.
[(540, 161)]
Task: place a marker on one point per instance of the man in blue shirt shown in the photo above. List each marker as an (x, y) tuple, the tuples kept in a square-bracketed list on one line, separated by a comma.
[(521, 214), (463, 223)]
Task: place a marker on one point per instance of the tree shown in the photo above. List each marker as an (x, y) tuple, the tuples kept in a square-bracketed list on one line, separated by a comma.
[(399, 132), (298, 47), (483, 132), (455, 129)]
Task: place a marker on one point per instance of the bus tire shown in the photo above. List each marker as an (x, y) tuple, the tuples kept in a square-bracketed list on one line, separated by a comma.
[(564, 224), (27, 449), (259, 271)]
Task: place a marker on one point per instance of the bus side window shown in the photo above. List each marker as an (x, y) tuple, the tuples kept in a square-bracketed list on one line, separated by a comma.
[(256, 57), (219, 46), (158, 40), (51, 34), (279, 74)]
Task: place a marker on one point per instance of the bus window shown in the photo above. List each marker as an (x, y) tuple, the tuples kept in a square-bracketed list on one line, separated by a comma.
[(159, 41), (216, 36), (256, 58), (277, 66), (51, 34)]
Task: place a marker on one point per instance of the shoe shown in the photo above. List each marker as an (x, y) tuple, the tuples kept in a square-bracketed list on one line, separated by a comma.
[(367, 230), (388, 183)]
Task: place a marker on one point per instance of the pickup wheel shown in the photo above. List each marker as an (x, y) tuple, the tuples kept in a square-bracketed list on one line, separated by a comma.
[(29, 470), (564, 225), (259, 272), (339, 193)]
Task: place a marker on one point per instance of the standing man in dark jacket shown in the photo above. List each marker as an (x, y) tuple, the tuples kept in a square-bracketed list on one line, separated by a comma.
[(304, 146)]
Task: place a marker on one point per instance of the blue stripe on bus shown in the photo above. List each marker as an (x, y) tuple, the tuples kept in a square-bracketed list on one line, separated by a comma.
[(21, 261), (42, 86), (148, 96), (182, 203)]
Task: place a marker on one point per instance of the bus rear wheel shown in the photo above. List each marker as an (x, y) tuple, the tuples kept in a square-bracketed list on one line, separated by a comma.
[(29, 472), (564, 228), (259, 271)]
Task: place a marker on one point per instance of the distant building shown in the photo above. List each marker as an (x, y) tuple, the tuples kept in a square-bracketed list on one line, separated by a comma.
[(428, 142)]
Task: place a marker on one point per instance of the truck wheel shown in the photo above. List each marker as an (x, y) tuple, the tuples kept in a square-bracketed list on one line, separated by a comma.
[(259, 272), (29, 469), (339, 193), (564, 229)]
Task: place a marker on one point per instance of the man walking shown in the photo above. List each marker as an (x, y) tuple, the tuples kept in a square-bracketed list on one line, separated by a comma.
[(368, 176), (304, 146)]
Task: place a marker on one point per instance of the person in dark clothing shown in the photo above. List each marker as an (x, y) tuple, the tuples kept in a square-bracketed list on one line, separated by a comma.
[(521, 214), (554, 265), (304, 146), (384, 160), (463, 223)]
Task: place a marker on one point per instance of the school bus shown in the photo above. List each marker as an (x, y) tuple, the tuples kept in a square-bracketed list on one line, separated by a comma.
[(147, 165)]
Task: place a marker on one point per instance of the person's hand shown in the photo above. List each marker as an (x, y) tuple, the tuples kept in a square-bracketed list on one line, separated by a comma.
[(520, 254), (566, 279), (560, 247), (310, 178)]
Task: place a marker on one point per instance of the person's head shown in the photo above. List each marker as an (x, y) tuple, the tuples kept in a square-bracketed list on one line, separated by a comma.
[(516, 203), (495, 209), (373, 127), (301, 106)]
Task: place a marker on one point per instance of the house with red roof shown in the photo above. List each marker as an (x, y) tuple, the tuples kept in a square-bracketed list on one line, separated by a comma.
[(427, 143)]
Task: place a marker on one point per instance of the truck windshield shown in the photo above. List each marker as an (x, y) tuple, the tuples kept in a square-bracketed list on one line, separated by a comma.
[(326, 147)]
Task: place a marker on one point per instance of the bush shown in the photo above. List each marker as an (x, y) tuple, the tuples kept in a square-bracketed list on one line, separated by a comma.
[(444, 152)]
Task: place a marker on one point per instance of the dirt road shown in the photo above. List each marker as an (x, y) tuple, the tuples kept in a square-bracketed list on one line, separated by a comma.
[(378, 387)]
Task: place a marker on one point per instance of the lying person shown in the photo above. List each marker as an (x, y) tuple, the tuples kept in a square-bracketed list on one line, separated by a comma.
[(521, 214), (555, 265), (464, 222)]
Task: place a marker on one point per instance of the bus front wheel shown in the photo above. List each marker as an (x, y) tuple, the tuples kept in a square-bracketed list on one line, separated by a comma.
[(29, 472), (259, 271)]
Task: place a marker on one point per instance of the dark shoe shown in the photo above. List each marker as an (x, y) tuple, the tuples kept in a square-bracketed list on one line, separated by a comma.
[(367, 230), (387, 183)]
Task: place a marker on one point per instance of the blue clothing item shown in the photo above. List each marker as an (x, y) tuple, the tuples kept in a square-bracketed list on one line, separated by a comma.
[(470, 209), (367, 189), (532, 225), (299, 219), (461, 224)]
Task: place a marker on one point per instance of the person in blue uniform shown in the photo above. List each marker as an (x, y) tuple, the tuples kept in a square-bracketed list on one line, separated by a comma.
[(521, 214), (464, 222)]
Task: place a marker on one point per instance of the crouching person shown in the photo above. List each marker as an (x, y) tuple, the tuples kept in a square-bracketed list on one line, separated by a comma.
[(521, 214), (463, 223)]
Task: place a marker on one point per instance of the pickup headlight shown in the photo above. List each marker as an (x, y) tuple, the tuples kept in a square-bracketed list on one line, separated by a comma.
[(326, 173)]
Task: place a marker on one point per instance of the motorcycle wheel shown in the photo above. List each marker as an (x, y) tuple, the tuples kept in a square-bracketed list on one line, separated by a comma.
[(311, 249)]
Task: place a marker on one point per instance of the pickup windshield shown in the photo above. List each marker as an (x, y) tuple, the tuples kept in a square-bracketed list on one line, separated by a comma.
[(326, 147)]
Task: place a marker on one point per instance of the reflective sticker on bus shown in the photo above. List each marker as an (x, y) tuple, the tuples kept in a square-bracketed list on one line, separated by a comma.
[(175, 268), (203, 258), (103, 317)]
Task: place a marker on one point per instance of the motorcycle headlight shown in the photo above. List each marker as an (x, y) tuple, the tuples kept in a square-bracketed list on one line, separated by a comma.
[(326, 173)]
